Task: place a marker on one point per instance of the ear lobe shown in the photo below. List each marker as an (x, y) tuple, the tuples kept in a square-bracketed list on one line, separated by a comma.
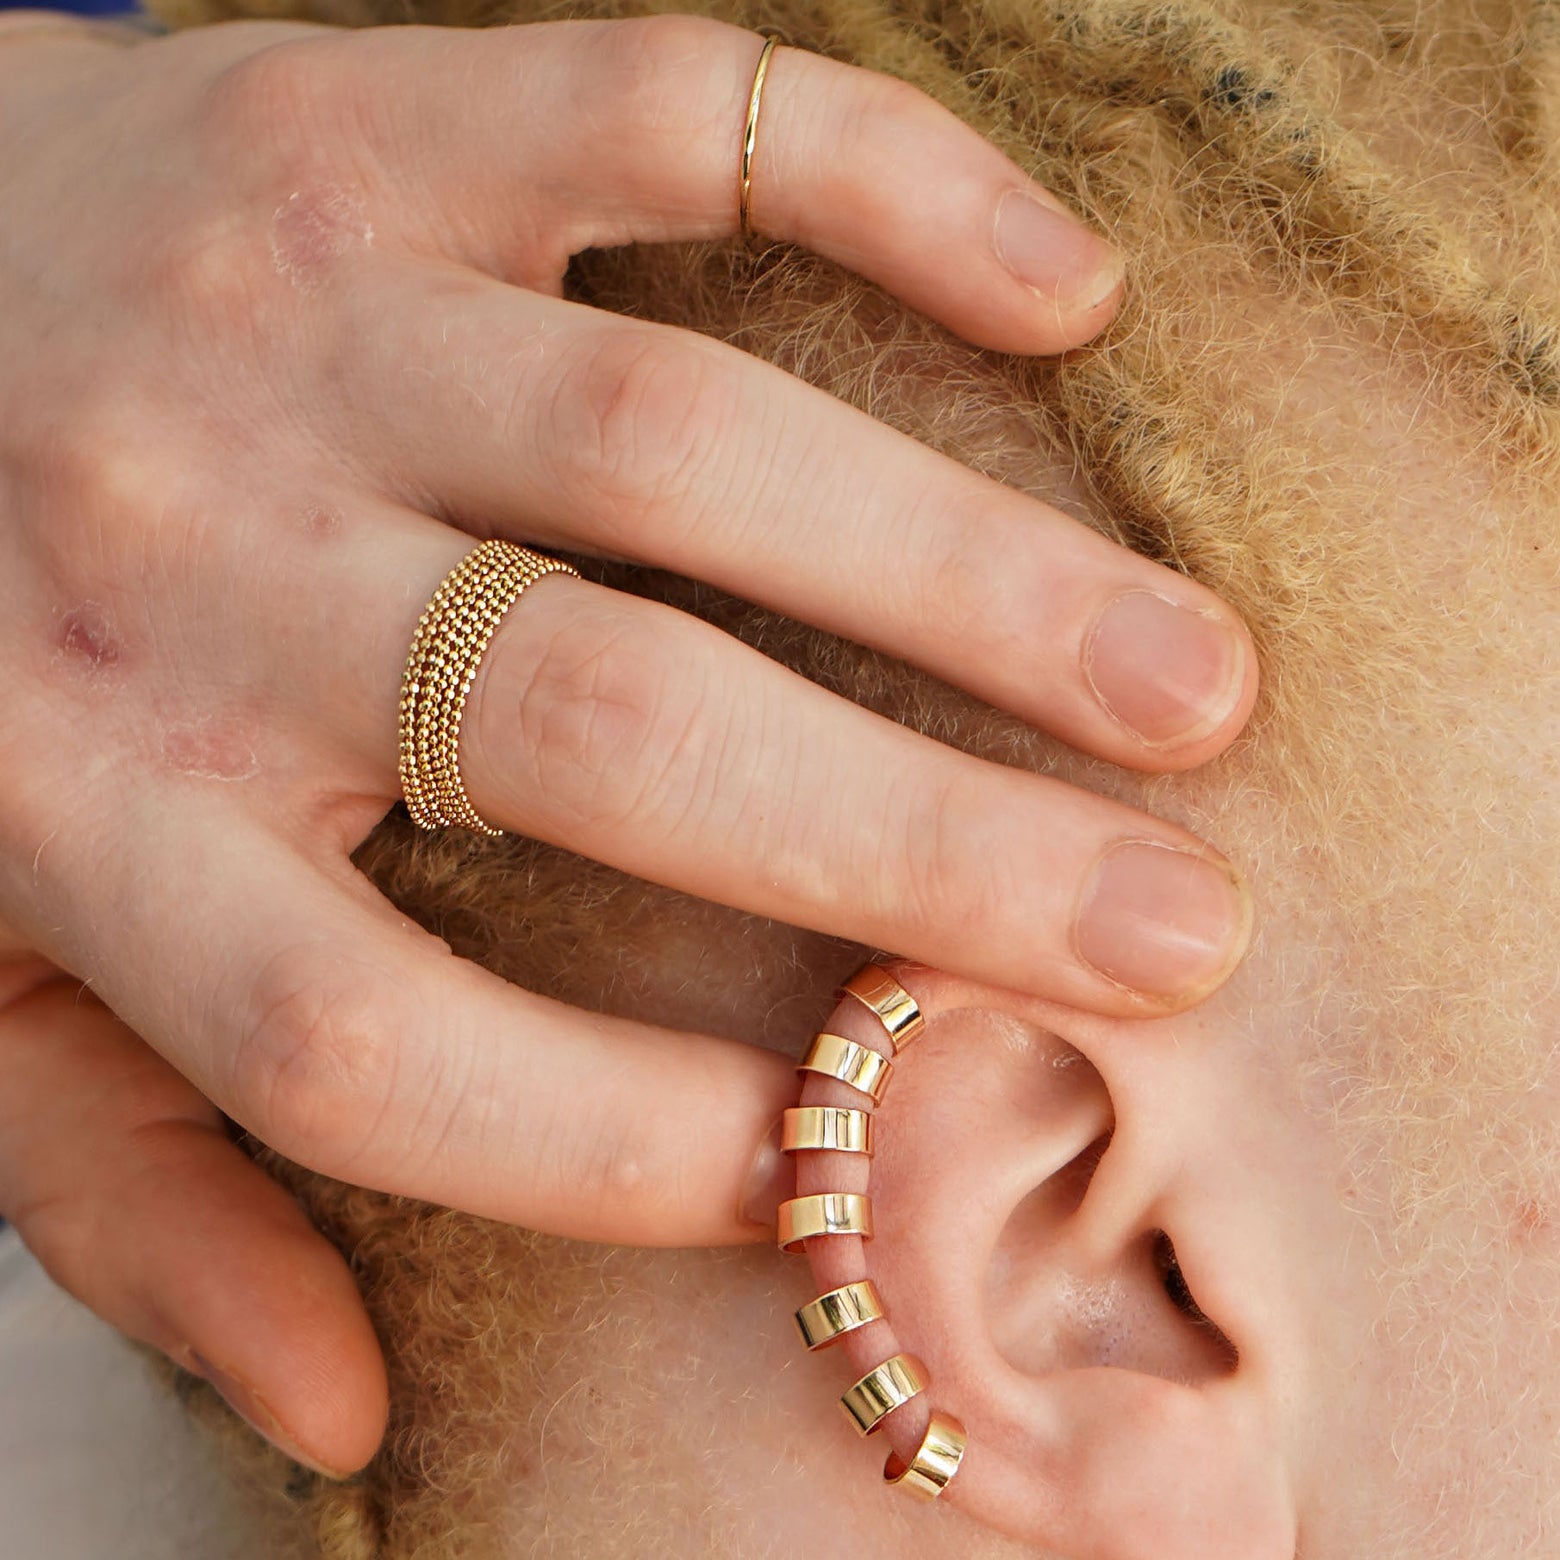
[(1104, 1423)]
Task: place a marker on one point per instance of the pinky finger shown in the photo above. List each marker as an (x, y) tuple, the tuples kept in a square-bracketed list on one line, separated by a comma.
[(121, 1180)]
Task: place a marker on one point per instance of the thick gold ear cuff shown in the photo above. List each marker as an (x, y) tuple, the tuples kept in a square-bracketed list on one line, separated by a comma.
[(833, 1056), (840, 1311), (897, 1010), (826, 1213), (833, 1129), (932, 1468), (826, 1127), (883, 1389)]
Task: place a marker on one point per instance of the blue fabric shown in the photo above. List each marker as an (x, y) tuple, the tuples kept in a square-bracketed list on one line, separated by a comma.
[(81, 7)]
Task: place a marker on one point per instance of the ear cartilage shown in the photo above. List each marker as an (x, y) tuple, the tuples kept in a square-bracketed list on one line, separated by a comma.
[(840, 1311), (936, 1461), (883, 1389), (824, 1213), (896, 1009), (859, 1066), (826, 1127)]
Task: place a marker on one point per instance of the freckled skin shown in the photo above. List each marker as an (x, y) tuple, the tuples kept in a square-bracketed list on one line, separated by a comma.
[(320, 521)]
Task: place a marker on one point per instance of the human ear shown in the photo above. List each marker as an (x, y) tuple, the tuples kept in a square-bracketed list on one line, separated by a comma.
[(1019, 1253)]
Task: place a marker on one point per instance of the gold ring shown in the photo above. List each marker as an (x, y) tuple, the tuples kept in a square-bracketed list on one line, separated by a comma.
[(750, 136), (824, 1213), (840, 1311), (932, 1468), (895, 1008), (883, 1389), (858, 1065), (452, 636), (826, 1127)]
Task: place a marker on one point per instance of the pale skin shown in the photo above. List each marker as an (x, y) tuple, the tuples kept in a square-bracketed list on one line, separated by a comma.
[(1335, 1368), (1294, 1392), (283, 334)]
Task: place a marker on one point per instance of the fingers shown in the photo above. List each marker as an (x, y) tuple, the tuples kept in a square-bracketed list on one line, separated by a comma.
[(121, 1180), (353, 1042), (639, 736), (573, 429), (572, 135)]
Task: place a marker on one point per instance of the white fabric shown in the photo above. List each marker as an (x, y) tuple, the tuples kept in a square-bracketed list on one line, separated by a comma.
[(97, 1462)]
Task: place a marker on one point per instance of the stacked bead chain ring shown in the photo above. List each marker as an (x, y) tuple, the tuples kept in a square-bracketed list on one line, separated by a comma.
[(832, 1129), (452, 636)]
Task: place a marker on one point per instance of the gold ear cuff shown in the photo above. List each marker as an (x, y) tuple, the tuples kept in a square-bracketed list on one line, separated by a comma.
[(896, 1009), (883, 1389), (827, 1127), (827, 1213), (860, 1066), (840, 1311), (932, 1468), (832, 1129)]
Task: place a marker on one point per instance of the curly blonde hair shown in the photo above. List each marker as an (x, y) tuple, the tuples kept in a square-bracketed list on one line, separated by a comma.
[(1374, 182)]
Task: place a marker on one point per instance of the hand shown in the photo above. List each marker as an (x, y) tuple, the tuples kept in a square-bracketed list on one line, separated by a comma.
[(282, 310)]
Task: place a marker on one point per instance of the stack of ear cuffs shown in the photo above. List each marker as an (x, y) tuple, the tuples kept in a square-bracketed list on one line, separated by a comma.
[(827, 1128)]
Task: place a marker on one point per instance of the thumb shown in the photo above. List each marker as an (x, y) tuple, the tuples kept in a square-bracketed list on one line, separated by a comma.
[(120, 1178)]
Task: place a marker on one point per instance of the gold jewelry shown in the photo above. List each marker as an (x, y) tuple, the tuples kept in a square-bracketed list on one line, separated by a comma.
[(749, 137), (898, 1011), (452, 636), (826, 1127), (883, 1389), (932, 1468), (840, 1311), (824, 1213), (858, 1065)]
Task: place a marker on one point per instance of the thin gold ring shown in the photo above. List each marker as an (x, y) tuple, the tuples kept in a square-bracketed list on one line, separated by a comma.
[(826, 1127), (824, 1213), (840, 1311), (750, 137), (936, 1461), (897, 1011), (883, 1389), (857, 1065)]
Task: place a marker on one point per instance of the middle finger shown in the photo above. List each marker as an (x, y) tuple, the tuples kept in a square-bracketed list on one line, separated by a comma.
[(544, 419)]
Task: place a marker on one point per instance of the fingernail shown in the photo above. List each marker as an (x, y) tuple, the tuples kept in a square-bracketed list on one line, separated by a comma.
[(250, 1406), (1167, 673), (1049, 249), (1163, 921), (771, 1180)]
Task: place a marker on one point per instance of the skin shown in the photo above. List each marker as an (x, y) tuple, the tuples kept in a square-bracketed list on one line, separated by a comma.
[(271, 381), (1350, 1147)]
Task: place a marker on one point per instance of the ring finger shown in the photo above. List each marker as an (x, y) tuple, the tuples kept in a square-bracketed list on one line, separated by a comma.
[(642, 737)]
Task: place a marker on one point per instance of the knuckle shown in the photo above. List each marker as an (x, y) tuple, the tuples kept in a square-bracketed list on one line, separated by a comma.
[(300, 121), (271, 98), (875, 109), (659, 70), (640, 425), (605, 723), (313, 1061), (101, 470), (936, 886), (205, 274)]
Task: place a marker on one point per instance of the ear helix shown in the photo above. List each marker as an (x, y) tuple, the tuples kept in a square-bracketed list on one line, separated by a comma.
[(808, 1129)]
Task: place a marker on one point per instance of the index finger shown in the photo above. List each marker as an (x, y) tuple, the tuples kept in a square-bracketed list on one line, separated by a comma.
[(516, 147)]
